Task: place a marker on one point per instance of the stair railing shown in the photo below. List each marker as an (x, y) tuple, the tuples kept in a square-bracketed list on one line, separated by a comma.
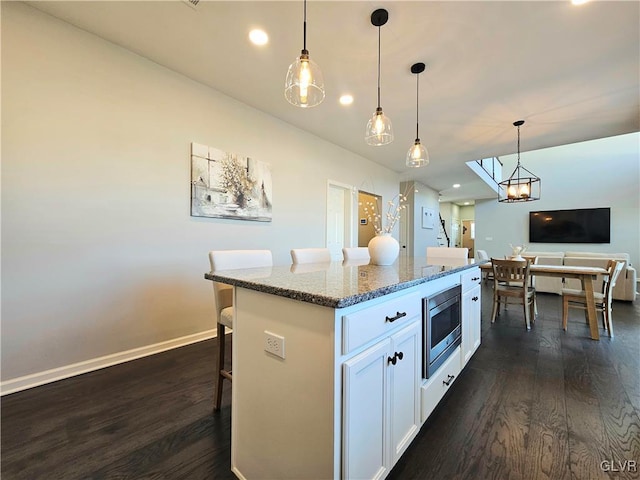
[(489, 166), (444, 229)]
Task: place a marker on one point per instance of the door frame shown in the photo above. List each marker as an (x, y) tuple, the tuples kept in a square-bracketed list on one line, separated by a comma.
[(349, 217)]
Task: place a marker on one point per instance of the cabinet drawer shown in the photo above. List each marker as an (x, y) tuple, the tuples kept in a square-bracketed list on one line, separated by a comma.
[(365, 325), (437, 386), (470, 279)]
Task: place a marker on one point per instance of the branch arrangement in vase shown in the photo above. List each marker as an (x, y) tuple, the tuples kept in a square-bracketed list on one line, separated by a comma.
[(394, 208)]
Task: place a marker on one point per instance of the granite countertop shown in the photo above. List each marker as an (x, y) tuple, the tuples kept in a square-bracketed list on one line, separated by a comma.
[(340, 284)]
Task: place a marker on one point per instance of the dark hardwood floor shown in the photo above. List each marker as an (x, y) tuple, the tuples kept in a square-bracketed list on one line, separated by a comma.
[(543, 404)]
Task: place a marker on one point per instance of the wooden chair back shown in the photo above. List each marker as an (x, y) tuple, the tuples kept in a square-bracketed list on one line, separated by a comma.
[(614, 267), (511, 272)]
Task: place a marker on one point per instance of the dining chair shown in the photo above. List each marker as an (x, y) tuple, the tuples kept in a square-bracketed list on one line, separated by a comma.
[(572, 298), (533, 260), (511, 282), (355, 253), (447, 252), (482, 255), (310, 255), (223, 296)]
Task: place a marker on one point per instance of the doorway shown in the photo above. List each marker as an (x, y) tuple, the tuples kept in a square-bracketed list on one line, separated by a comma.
[(468, 236), (366, 230), (339, 218)]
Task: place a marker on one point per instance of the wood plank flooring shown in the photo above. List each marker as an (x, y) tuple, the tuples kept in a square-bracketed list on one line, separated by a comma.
[(544, 404)]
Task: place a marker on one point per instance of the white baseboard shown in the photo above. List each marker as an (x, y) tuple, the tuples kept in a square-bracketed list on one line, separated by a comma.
[(55, 374)]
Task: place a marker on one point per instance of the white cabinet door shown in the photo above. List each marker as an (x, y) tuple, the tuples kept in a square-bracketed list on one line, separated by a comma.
[(404, 382), (365, 413), (476, 298), (471, 312)]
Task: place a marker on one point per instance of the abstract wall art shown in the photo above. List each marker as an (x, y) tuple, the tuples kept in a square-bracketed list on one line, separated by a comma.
[(229, 185)]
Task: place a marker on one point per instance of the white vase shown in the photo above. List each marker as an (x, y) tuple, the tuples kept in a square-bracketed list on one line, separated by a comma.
[(383, 249)]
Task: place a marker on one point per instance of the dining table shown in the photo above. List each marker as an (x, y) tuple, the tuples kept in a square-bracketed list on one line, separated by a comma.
[(586, 275)]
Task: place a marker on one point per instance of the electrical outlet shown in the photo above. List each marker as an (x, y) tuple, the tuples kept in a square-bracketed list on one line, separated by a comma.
[(274, 344)]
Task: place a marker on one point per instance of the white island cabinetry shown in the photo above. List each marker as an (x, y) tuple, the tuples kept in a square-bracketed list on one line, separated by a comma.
[(471, 311), (381, 403), (344, 398)]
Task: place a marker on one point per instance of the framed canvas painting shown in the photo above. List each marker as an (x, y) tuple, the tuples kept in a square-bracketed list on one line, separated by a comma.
[(428, 217), (229, 185)]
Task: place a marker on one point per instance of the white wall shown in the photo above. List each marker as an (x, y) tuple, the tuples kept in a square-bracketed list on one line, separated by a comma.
[(468, 212), (597, 173), (99, 253), (418, 238)]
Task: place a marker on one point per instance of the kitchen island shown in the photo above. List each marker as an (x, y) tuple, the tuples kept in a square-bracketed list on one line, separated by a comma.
[(327, 364)]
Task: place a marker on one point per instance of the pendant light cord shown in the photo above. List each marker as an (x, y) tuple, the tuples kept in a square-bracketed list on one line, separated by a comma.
[(417, 95), (518, 145), (304, 28), (518, 166), (378, 67)]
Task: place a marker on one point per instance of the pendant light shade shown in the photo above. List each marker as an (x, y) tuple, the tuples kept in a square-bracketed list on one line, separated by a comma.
[(417, 155), (522, 185), (304, 85), (379, 129)]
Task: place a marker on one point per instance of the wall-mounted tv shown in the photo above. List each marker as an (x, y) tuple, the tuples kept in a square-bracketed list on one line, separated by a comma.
[(583, 225)]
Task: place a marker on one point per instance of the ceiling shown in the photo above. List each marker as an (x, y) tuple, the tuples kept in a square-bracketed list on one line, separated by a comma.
[(571, 72)]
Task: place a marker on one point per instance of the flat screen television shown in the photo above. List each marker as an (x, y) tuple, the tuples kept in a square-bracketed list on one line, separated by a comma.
[(583, 225)]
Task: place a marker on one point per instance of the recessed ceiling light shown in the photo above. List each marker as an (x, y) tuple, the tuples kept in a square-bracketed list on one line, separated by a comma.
[(579, 2), (466, 203), (258, 37), (456, 185), (346, 99)]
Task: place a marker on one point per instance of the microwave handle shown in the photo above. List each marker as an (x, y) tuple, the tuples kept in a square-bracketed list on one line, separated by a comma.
[(443, 306)]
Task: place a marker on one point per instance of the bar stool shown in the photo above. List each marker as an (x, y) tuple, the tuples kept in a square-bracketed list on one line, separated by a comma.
[(355, 253), (447, 252), (310, 255), (223, 295)]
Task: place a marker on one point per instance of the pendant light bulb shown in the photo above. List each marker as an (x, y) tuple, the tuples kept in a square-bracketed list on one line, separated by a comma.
[(417, 155), (304, 85), (379, 128)]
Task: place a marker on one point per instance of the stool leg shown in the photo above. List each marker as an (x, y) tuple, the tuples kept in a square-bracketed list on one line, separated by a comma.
[(219, 366)]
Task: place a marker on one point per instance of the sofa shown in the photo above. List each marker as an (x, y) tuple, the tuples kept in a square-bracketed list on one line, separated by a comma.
[(625, 288)]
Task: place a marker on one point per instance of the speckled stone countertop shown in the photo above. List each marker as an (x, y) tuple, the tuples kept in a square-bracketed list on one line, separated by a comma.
[(339, 284)]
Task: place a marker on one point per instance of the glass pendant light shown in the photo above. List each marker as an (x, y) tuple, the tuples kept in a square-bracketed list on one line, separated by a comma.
[(379, 129), (522, 185), (417, 155), (304, 86)]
